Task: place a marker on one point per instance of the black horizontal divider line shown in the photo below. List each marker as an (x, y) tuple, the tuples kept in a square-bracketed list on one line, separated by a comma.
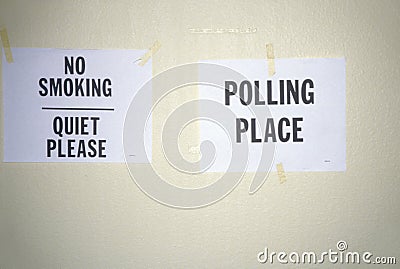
[(79, 108)]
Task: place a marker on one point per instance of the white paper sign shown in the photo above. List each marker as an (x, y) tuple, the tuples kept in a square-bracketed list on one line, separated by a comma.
[(307, 102), (69, 105)]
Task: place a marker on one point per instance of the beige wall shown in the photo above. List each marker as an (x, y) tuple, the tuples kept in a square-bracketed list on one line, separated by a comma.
[(94, 216)]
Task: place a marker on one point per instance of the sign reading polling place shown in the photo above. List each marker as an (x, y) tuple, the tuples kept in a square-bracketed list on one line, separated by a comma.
[(305, 101)]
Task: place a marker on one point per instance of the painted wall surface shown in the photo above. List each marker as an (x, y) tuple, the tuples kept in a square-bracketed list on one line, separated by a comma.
[(94, 216)]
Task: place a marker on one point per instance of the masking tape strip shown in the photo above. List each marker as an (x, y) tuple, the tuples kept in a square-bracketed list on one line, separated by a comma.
[(156, 46), (271, 59), (281, 173), (6, 44)]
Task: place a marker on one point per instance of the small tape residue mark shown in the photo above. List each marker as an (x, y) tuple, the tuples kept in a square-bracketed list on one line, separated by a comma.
[(222, 31), (143, 60), (271, 59), (194, 150), (6, 44), (281, 173)]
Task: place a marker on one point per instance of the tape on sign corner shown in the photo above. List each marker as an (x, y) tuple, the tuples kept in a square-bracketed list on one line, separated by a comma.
[(153, 50), (6, 44), (281, 173), (270, 59)]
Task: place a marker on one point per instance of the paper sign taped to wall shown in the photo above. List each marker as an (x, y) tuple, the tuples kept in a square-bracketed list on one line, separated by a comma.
[(70, 105), (304, 105)]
